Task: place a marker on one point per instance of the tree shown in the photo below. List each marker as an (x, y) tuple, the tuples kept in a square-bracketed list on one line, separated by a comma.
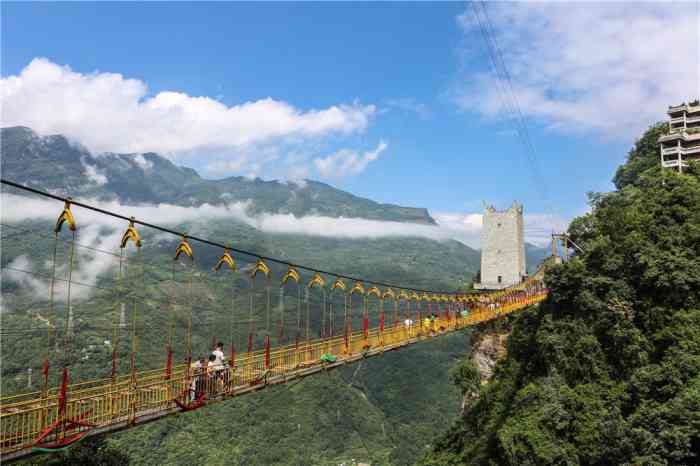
[(92, 451), (642, 157)]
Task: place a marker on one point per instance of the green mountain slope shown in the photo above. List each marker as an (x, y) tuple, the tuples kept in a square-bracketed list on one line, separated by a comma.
[(534, 255), (54, 163), (607, 370)]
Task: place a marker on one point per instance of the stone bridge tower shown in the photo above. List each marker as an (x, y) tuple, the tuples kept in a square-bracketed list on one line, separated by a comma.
[(502, 248)]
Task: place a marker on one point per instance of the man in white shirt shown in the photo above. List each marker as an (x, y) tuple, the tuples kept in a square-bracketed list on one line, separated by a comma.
[(216, 365), (219, 355)]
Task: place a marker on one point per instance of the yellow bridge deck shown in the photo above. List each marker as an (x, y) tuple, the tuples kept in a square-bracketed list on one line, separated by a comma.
[(110, 405)]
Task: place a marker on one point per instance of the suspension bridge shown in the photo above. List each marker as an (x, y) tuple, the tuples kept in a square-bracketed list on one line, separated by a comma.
[(314, 321)]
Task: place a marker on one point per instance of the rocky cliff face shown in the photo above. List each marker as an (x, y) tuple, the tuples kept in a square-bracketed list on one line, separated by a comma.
[(487, 350), (488, 347)]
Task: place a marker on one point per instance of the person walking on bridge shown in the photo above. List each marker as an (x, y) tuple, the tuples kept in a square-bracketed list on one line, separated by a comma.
[(218, 364)]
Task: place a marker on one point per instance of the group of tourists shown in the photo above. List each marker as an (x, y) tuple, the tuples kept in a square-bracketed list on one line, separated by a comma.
[(430, 323), (211, 374)]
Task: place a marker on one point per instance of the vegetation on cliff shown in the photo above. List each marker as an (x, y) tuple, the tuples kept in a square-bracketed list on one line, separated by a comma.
[(607, 370)]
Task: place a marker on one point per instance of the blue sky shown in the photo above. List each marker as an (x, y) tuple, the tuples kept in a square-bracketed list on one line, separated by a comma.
[(395, 102)]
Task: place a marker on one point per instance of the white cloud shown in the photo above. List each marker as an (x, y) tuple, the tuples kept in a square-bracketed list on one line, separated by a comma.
[(409, 104), (109, 112), (466, 227), (608, 67), (539, 227), (141, 161), (12, 273), (347, 162), (93, 174), (463, 227), (89, 265), (18, 208)]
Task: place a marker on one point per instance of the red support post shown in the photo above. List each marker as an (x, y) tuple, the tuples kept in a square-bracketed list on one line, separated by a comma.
[(169, 364), (62, 395), (45, 371), (133, 368), (114, 363)]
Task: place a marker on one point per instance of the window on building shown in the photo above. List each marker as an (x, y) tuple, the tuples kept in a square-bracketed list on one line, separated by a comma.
[(500, 279)]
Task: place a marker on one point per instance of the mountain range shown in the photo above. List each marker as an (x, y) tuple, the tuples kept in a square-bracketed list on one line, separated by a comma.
[(55, 163)]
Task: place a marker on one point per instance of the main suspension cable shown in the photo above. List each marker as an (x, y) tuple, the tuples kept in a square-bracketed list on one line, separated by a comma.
[(212, 242)]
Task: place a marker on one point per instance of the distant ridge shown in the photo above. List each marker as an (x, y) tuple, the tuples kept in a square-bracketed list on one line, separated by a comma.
[(55, 163)]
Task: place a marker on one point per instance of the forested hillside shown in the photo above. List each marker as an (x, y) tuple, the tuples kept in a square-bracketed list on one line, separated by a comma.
[(607, 370)]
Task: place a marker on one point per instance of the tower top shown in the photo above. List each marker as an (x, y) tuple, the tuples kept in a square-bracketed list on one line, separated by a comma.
[(514, 208)]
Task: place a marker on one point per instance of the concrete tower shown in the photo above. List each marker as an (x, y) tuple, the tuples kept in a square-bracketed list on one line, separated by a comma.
[(502, 248)]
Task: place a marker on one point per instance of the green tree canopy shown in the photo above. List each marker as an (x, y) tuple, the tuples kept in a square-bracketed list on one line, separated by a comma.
[(607, 370), (643, 156)]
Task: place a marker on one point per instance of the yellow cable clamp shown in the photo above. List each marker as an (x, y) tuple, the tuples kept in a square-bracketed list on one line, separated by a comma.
[(66, 216), (291, 274), (184, 248), (389, 293), (317, 280), (226, 259), (131, 234), (261, 267), (357, 288), (374, 291), (339, 284)]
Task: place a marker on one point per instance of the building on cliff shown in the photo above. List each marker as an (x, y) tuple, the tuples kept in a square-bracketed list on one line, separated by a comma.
[(502, 248), (682, 143)]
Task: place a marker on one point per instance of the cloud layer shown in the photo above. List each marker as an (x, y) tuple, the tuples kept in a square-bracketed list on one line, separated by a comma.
[(609, 67), (347, 162), (107, 112), (18, 208), (102, 232)]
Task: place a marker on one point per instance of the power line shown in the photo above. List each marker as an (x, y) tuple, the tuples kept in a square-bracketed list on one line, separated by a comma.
[(509, 98)]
